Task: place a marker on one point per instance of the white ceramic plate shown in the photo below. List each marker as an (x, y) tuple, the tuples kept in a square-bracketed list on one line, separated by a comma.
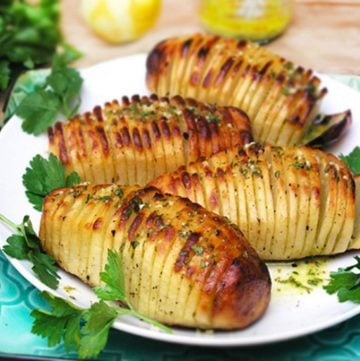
[(292, 312)]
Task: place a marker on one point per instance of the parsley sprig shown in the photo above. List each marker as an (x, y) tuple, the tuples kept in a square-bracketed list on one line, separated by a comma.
[(352, 160), (59, 94), (43, 176), (87, 330), (346, 283), (24, 244), (30, 34)]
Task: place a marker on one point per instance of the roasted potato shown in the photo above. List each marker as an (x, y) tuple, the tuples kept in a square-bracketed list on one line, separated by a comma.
[(182, 264), (281, 99), (290, 202), (139, 139)]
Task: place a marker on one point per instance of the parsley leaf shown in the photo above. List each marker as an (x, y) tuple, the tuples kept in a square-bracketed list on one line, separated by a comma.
[(352, 160), (38, 110), (30, 33), (345, 283), (66, 82), (114, 289), (59, 94), (25, 245), (87, 330), (4, 74), (63, 321), (43, 176), (99, 319), (113, 279)]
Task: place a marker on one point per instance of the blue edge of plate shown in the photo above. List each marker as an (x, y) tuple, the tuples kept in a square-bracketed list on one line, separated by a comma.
[(18, 298)]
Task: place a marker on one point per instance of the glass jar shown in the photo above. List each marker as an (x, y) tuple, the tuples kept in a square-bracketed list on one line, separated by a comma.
[(256, 20)]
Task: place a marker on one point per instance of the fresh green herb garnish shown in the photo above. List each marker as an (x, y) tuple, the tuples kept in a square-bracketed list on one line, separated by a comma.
[(114, 289), (24, 244), (87, 330), (58, 95), (199, 250), (352, 160), (346, 283), (29, 36), (302, 165), (137, 204), (43, 176), (212, 118)]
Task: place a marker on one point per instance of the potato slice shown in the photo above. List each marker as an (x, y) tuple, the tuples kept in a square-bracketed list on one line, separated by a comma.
[(302, 168), (340, 206), (190, 78), (313, 193), (292, 191), (328, 202), (204, 59), (355, 238), (349, 214), (277, 243)]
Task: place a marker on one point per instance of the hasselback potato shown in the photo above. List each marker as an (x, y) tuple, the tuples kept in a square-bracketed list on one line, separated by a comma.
[(141, 138), (280, 98), (290, 202), (182, 264)]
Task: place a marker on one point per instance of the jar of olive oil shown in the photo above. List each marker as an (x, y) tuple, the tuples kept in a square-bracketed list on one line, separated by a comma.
[(256, 20)]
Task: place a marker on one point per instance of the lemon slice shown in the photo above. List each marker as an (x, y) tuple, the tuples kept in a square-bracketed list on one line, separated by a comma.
[(118, 21)]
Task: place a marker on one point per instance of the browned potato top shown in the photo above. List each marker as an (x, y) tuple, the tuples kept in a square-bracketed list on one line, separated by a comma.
[(143, 137), (279, 97), (290, 202), (183, 265)]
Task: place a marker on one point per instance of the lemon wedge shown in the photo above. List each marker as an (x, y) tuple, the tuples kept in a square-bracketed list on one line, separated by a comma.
[(118, 21)]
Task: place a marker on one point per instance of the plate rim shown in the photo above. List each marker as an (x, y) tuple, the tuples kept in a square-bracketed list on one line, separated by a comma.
[(150, 333)]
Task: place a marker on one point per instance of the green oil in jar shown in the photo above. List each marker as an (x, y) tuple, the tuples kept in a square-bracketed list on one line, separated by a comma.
[(256, 20)]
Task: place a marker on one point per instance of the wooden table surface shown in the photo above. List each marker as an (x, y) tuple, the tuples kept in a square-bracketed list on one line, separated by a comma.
[(323, 35)]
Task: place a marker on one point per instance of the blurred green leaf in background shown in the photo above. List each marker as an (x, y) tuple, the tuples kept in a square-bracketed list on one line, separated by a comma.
[(29, 36)]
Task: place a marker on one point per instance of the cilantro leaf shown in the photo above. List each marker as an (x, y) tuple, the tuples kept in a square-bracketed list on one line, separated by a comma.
[(38, 110), (352, 160), (25, 245), (345, 283), (43, 176)]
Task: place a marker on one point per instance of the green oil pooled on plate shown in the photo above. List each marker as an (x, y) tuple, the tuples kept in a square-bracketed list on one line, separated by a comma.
[(301, 277)]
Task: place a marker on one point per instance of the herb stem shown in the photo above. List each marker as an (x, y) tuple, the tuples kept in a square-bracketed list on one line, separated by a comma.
[(123, 311), (14, 227)]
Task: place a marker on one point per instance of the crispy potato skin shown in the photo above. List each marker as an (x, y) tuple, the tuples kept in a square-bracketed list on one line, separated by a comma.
[(143, 137), (183, 265), (290, 202), (280, 98), (355, 243)]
